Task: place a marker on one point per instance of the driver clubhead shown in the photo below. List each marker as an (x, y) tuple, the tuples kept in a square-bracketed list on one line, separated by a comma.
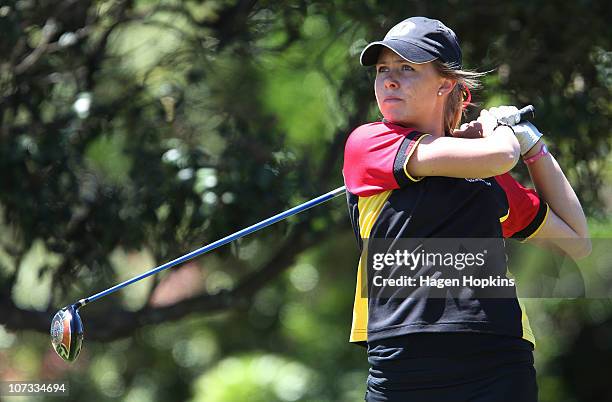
[(67, 333)]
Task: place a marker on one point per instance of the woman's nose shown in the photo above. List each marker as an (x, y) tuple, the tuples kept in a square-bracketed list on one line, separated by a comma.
[(391, 82)]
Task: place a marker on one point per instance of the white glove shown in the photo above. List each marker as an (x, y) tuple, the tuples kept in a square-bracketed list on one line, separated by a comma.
[(508, 115), (527, 135)]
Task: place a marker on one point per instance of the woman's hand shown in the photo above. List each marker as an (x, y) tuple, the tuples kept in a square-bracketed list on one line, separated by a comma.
[(480, 128), (472, 129), (488, 122)]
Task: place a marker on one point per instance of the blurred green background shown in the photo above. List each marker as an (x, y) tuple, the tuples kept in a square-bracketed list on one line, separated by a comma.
[(133, 131)]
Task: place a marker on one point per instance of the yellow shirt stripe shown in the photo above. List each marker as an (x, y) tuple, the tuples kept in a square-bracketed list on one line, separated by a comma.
[(369, 210), (413, 147)]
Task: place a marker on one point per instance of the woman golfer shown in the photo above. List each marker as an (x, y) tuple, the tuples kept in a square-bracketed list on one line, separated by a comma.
[(414, 175)]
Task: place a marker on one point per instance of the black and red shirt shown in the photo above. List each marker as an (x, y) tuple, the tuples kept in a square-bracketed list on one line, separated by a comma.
[(386, 202)]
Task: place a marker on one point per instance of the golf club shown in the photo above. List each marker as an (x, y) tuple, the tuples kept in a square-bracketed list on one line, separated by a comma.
[(67, 327)]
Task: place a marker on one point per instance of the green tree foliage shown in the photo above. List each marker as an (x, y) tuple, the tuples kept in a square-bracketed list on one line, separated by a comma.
[(133, 131)]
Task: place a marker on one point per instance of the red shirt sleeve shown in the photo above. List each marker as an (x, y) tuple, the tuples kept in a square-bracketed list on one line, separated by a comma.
[(375, 157), (526, 211)]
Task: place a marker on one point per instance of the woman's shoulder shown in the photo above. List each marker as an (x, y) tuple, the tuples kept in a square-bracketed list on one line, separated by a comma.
[(378, 141)]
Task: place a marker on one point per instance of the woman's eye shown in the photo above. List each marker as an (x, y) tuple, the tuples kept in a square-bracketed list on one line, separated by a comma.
[(385, 69)]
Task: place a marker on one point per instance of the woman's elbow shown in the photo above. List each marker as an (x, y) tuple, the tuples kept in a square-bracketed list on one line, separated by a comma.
[(506, 159), (512, 155), (576, 248), (508, 150), (584, 249)]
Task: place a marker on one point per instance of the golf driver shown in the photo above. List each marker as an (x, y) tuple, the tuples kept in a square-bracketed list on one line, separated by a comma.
[(67, 327)]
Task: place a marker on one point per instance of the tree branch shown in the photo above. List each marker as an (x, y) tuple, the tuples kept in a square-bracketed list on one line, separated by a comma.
[(48, 31)]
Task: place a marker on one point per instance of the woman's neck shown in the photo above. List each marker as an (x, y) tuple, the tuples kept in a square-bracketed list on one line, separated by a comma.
[(437, 130)]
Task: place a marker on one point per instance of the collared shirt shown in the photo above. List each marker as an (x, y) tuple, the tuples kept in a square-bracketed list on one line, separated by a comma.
[(386, 202)]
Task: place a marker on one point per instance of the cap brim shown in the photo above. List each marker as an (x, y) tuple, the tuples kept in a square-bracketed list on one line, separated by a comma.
[(406, 50)]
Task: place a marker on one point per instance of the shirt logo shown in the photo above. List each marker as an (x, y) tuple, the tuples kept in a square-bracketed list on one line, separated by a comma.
[(482, 180)]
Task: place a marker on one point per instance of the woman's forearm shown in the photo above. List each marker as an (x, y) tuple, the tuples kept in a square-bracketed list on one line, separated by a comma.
[(554, 188), (461, 157)]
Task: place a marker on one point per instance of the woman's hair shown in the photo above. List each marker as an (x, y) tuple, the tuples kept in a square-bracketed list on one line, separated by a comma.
[(453, 109)]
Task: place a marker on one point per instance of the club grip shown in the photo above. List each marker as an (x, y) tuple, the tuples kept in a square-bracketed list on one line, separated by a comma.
[(527, 113)]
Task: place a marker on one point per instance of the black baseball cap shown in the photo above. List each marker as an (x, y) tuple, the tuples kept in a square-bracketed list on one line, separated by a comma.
[(418, 40)]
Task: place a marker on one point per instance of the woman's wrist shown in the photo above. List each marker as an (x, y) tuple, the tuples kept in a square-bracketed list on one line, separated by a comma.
[(503, 128), (534, 150), (535, 153)]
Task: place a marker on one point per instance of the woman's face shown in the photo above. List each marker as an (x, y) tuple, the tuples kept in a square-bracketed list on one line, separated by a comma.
[(407, 93)]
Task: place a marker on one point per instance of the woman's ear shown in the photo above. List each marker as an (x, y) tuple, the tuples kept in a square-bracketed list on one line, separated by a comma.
[(446, 86)]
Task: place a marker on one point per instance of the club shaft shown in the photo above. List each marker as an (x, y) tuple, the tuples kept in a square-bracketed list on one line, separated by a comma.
[(526, 113), (228, 239)]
